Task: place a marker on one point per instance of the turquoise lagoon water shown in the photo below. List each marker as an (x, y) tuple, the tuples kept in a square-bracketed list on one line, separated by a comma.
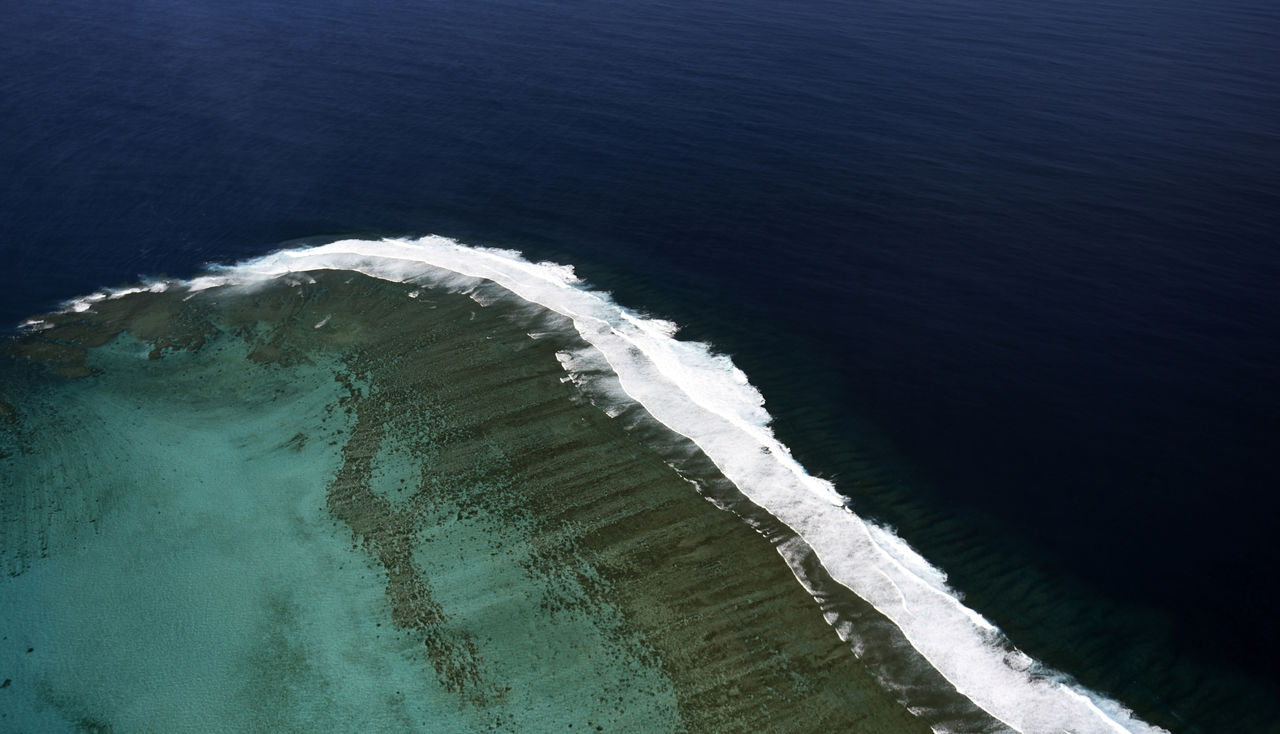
[(326, 502), (172, 567)]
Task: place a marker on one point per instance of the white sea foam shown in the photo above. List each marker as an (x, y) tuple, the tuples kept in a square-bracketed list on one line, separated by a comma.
[(35, 325), (702, 395), (84, 303)]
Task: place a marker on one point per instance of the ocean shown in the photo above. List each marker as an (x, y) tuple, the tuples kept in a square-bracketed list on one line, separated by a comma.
[(1003, 275)]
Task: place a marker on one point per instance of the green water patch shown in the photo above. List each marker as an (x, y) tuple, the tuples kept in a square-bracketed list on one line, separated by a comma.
[(326, 505)]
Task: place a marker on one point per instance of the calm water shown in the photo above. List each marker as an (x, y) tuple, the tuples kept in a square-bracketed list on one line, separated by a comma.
[(1004, 271)]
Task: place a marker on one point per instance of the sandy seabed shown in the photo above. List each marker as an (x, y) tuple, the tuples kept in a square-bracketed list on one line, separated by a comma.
[(333, 503)]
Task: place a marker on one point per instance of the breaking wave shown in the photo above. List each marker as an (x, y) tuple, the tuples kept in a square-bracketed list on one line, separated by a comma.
[(706, 398)]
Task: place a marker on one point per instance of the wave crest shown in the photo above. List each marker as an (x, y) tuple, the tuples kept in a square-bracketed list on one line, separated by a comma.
[(703, 396)]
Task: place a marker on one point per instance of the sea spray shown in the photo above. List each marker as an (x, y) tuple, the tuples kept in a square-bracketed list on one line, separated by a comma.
[(704, 397)]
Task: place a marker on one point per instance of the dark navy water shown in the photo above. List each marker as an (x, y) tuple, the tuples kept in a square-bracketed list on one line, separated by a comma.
[(1006, 271)]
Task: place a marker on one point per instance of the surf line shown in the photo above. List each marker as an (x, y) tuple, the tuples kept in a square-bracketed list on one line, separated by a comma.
[(703, 396)]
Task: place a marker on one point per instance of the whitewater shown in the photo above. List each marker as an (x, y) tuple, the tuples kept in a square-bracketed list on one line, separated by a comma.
[(703, 396)]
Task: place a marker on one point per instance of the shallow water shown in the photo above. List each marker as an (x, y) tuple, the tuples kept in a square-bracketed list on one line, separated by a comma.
[(299, 514)]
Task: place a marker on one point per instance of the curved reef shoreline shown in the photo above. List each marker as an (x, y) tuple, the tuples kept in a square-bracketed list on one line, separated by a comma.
[(334, 502)]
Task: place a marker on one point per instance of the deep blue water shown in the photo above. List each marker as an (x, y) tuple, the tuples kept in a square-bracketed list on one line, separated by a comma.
[(1006, 271)]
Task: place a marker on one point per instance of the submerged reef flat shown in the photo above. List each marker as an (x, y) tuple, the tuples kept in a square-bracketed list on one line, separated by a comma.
[(335, 503)]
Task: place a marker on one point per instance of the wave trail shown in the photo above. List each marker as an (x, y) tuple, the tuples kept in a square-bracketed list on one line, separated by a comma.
[(703, 396)]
